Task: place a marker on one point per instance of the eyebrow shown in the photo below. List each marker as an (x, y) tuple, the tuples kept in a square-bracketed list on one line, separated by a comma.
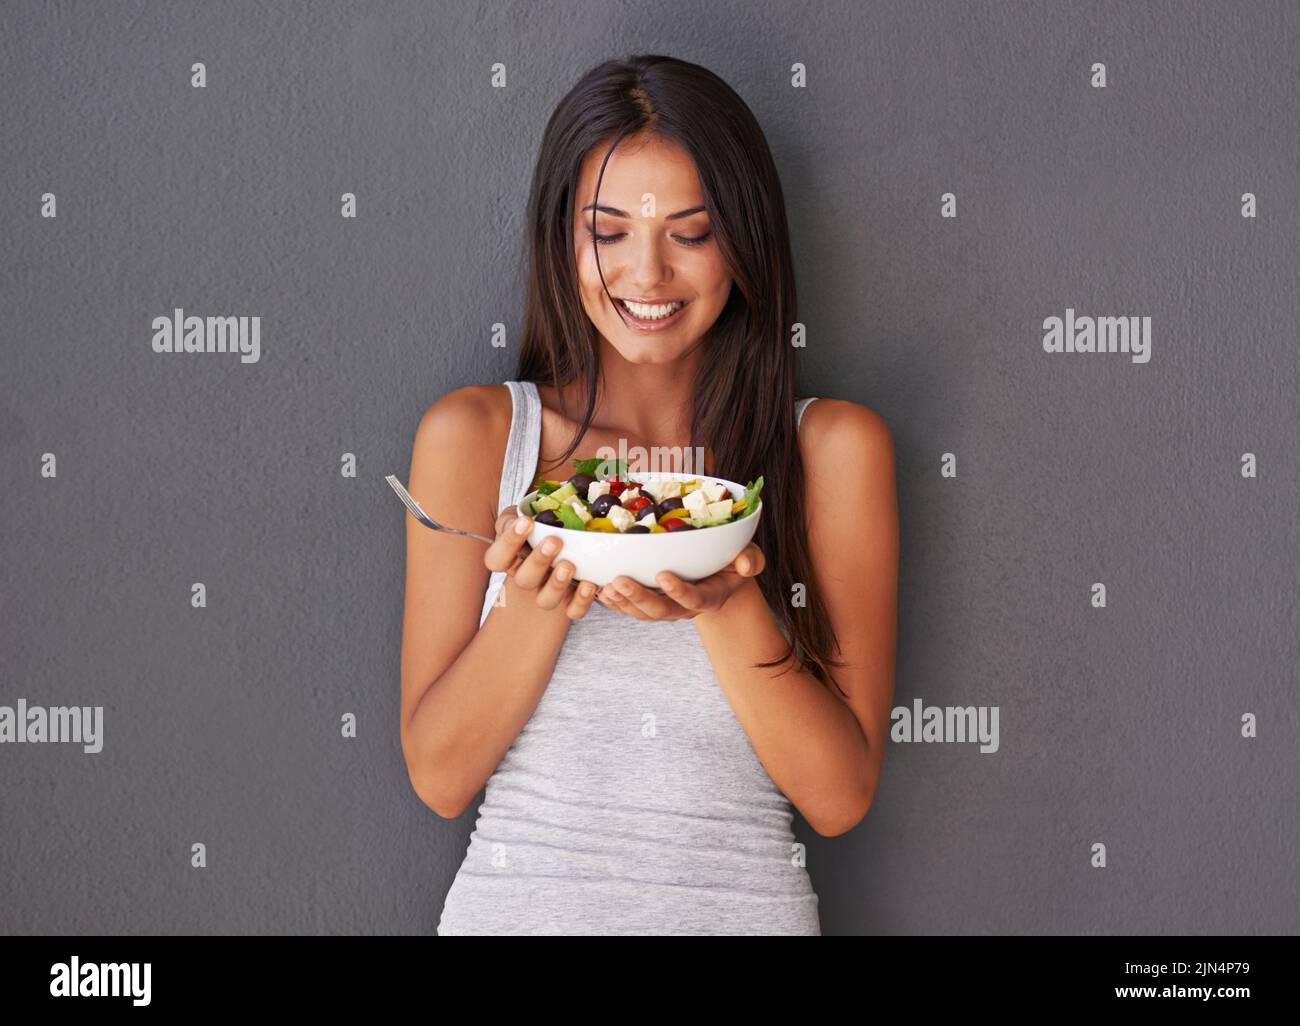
[(612, 212)]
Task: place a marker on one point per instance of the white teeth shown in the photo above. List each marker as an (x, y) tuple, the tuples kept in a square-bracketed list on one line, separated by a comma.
[(651, 313)]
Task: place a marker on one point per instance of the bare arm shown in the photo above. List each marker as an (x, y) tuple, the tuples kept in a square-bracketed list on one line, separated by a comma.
[(824, 751), (467, 692)]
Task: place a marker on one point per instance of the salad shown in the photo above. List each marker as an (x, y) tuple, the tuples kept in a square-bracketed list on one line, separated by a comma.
[(600, 496)]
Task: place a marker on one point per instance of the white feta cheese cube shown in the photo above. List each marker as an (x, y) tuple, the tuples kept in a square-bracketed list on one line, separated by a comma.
[(668, 489), (651, 488), (578, 508), (620, 518), (630, 493), (713, 491), (695, 502), (597, 488), (647, 521), (719, 509)]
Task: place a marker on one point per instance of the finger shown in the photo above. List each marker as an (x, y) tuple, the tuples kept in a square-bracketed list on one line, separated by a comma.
[(612, 600), (533, 569), (655, 607), (687, 594), (505, 516), (556, 588), (750, 562), (581, 601), (502, 553)]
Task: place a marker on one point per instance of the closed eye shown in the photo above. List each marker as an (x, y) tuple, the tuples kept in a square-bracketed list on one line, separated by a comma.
[(605, 240)]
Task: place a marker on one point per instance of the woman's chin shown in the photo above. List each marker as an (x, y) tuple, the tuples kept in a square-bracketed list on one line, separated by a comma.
[(647, 349), (647, 355)]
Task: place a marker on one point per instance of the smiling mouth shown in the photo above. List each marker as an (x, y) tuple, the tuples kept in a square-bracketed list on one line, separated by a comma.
[(653, 312)]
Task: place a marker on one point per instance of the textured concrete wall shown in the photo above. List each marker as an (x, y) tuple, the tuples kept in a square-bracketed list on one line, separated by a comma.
[(1119, 725)]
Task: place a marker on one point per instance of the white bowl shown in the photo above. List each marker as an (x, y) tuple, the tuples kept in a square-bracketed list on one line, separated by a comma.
[(599, 557)]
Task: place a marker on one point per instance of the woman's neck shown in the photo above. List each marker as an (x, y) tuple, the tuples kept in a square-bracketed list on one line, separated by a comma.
[(646, 402)]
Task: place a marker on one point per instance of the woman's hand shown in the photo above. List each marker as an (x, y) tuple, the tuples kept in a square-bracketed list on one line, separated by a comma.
[(683, 600), (530, 569)]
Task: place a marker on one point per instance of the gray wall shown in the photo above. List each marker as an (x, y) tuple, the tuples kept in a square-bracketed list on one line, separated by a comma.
[(1119, 726)]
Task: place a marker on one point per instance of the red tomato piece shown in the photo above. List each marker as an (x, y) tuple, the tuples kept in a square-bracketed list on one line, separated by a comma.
[(639, 503)]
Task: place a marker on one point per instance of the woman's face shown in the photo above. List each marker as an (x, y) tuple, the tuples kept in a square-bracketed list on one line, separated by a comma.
[(659, 248)]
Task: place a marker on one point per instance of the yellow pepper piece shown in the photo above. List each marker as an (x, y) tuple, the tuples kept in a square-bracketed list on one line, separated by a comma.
[(658, 530), (690, 486), (674, 514), (601, 524), (738, 505)]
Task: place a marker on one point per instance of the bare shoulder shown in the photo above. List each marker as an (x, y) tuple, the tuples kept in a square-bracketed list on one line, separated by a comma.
[(462, 438), (848, 456), (837, 434), (466, 416)]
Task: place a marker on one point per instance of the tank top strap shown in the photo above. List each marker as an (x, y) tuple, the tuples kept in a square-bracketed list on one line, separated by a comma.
[(524, 443), (519, 464), (799, 406)]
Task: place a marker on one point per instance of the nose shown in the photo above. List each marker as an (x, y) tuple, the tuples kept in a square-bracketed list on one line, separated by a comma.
[(648, 268)]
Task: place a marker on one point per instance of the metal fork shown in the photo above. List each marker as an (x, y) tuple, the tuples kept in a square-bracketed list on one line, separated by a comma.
[(423, 517)]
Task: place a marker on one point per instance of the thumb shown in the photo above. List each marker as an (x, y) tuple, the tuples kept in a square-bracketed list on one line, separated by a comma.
[(750, 562)]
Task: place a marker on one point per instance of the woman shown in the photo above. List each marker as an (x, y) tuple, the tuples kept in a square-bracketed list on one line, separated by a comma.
[(642, 749)]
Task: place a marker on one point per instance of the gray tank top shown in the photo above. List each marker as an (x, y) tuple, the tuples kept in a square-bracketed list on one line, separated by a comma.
[(632, 802)]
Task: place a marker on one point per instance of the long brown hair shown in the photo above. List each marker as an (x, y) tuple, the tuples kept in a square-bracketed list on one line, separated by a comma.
[(745, 392)]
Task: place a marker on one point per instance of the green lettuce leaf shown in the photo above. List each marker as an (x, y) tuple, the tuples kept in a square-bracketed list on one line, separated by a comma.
[(601, 469), (569, 518), (751, 497)]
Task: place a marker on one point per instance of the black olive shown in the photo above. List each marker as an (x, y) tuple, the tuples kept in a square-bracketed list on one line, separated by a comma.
[(548, 516), (602, 505), (637, 529), (674, 503), (645, 511), (581, 482)]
